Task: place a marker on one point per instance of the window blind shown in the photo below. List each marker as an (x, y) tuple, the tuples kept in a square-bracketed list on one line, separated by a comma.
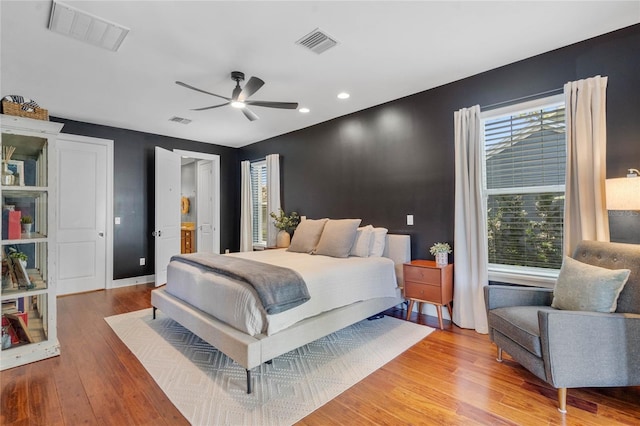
[(259, 199), (525, 156)]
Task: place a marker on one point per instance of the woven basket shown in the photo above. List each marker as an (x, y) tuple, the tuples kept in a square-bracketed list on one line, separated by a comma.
[(13, 108)]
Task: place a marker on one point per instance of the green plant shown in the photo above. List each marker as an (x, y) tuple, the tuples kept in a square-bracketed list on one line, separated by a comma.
[(440, 248), (26, 219), (286, 223), (15, 254)]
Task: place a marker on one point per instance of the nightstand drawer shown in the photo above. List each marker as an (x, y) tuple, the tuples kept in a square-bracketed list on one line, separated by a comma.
[(422, 275), (431, 293)]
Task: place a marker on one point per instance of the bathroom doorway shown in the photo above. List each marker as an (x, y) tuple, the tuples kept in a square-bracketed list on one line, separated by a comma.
[(200, 202)]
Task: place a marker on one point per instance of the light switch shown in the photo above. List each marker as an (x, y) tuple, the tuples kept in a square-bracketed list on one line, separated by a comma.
[(409, 219), (117, 221)]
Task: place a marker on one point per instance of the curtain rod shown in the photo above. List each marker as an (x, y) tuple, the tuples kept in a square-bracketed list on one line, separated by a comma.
[(523, 98)]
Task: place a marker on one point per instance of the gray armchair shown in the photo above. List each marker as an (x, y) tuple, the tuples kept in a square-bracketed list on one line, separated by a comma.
[(572, 349)]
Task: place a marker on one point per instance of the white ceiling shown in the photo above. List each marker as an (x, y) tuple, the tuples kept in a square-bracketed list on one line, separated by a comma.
[(386, 50)]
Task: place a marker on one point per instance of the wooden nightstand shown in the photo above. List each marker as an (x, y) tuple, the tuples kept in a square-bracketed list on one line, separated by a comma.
[(424, 281)]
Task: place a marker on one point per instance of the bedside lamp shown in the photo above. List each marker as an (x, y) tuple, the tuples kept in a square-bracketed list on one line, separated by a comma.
[(624, 193)]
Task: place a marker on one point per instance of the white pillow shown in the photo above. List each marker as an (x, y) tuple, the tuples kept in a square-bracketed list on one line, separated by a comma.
[(337, 237), (378, 243), (362, 244)]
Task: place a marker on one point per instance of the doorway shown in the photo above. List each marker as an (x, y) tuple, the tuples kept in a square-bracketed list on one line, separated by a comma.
[(168, 219), (200, 185)]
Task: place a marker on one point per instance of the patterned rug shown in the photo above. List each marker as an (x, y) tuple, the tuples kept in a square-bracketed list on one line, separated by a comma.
[(210, 389)]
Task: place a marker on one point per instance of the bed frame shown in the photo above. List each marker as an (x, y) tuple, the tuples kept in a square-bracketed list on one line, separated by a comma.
[(251, 351)]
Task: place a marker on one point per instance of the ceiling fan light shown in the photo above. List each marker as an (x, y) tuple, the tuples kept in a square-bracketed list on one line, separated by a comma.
[(304, 110), (238, 104)]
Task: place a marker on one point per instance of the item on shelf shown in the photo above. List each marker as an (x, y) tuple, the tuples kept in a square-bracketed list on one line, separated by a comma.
[(11, 225), (21, 329), (29, 172), (8, 177), (27, 223), (23, 107), (16, 167), (8, 328)]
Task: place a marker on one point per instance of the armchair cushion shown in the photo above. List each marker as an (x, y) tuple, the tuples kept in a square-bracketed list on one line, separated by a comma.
[(584, 287), (520, 323)]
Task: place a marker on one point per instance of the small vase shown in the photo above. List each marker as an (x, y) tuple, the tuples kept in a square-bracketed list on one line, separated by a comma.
[(442, 258), (26, 228), (283, 239)]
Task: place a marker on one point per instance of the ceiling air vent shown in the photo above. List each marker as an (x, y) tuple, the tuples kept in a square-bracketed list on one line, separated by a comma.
[(317, 41), (180, 120), (75, 23)]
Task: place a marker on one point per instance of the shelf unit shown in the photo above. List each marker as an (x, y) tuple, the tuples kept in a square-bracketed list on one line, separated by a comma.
[(28, 291)]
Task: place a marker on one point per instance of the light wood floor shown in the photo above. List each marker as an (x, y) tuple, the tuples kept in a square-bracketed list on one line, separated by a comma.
[(449, 378)]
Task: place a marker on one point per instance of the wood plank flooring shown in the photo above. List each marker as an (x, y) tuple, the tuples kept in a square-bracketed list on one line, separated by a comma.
[(449, 378)]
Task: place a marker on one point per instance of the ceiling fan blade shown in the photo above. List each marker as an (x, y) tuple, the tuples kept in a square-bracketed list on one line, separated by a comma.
[(268, 104), (210, 107), (179, 83), (253, 85), (249, 114)]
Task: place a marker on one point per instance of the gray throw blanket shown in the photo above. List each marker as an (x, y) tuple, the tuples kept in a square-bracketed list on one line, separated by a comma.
[(279, 288)]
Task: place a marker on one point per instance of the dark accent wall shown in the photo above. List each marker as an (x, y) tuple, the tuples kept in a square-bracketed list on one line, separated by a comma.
[(133, 191), (385, 162)]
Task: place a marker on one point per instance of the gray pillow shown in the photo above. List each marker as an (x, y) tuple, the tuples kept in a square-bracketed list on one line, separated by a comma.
[(584, 287), (338, 237), (306, 236)]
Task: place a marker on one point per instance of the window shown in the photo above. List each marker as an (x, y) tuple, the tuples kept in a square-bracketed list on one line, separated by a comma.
[(259, 200), (524, 177)]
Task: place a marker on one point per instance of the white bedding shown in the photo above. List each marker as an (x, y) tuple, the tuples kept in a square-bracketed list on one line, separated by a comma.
[(332, 283)]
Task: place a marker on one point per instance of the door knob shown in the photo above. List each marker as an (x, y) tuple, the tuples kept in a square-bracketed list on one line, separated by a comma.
[(101, 234)]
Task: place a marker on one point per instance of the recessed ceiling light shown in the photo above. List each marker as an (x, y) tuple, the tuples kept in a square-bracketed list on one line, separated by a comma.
[(343, 95), (304, 110)]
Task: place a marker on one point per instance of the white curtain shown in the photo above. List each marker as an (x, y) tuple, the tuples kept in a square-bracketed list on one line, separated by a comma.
[(585, 213), (470, 232), (273, 196), (246, 208)]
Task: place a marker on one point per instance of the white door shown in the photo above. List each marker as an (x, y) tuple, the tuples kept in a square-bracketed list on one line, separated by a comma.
[(204, 207), (81, 226), (167, 207)]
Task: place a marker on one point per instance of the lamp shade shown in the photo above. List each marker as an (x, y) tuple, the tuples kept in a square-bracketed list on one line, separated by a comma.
[(623, 193)]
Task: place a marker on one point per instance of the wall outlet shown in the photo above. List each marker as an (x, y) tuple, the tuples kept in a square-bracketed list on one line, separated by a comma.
[(117, 220), (409, 219), (143, 261)]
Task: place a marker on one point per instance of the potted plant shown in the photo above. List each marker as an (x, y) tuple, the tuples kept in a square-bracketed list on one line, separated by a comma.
[(18, 255), (27, 222), (441, 252), (286, 224)]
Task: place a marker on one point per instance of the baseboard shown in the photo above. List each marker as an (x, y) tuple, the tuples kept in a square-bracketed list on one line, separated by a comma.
[(126, 282)]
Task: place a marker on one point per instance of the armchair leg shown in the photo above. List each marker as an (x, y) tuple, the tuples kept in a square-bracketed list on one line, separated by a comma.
[(562, 400), (499, 358)]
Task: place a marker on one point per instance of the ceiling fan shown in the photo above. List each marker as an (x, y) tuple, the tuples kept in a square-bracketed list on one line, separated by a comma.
[(239, 97)]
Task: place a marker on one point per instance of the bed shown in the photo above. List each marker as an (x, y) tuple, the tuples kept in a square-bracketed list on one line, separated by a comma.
[(253, 339)]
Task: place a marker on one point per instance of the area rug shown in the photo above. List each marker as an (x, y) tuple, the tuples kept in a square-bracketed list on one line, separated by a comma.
[(210, 389)]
